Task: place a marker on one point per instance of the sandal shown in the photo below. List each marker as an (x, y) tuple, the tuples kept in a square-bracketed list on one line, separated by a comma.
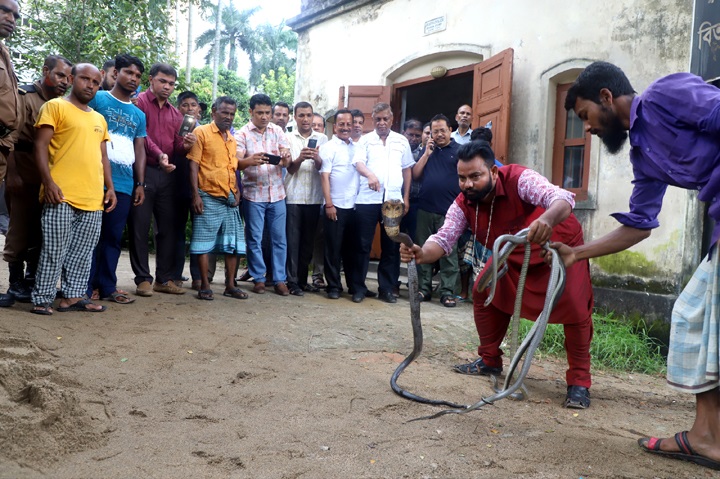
[(205, 294), (477, 368), (461, 300), (236, 293), (119, 297), (422, 297), (81, 306), (448, 301), (44, 309), (686, 453), (95, 295)]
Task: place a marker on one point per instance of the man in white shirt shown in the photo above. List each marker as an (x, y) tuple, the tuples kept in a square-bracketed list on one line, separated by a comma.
[(304, 196), (340, 184), (464, 120), (384, 159)]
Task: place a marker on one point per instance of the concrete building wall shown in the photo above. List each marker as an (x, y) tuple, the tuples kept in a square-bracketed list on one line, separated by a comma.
[(382, 42)]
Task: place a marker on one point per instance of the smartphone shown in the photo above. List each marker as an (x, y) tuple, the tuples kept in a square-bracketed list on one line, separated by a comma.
[(312, 143), (187, 125), (273, 159)]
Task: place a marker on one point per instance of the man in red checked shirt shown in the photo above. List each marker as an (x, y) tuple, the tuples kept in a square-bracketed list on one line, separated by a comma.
[(162, 143)]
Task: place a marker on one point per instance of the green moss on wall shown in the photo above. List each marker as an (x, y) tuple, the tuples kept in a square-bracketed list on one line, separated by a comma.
[(627, 262)]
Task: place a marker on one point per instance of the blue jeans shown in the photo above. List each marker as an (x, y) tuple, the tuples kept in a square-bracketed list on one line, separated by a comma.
[(256, 214), (107, 252)]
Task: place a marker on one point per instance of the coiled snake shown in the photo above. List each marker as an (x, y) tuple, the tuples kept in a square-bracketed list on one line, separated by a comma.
[(503, 246)]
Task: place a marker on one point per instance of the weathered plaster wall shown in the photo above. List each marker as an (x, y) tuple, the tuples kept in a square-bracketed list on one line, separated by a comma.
[(552, 40)]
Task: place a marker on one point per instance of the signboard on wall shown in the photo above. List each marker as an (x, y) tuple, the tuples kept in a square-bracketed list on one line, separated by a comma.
[(437, 24), (705, 55)]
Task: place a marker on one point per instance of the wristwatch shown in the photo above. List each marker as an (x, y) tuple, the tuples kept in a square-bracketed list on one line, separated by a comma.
[(137, 183)]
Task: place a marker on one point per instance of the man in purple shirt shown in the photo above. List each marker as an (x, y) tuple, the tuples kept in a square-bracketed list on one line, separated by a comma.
[(162, 144), (674, 131)]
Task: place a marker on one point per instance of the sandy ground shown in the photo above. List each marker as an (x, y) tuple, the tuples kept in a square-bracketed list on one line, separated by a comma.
[(273, 387)]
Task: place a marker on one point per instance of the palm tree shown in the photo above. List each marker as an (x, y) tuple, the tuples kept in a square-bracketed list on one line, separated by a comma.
[(279, 45), (235, 33)]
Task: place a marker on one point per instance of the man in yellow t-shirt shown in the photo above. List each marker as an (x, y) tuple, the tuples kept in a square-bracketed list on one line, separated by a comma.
[(217, 227), (71, 157)]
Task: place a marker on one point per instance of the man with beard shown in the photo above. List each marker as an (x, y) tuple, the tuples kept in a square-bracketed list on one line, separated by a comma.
[(71, 155), (23, 241), (464, 120), (126, 125), (108, 73), (436, 171), (674, 131), (217, 227), (496, 201)]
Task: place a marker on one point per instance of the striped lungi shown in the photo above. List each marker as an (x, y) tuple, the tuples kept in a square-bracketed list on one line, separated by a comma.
[(693, 360), (219, 228)]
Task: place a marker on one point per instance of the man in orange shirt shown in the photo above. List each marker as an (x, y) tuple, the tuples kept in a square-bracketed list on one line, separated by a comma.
[(217, 227)]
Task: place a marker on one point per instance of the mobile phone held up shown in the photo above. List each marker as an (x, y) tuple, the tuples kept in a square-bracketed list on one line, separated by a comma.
[(272, 159), (312, 143), (187, 125)]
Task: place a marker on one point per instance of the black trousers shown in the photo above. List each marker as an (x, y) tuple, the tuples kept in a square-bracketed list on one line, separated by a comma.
[(341, 245), (159, 205), (367, 217), (301, 226)]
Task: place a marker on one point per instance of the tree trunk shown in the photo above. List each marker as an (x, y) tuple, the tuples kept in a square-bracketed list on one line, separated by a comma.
[(232, 62), (216, 51), (188, 58), (177, 30)]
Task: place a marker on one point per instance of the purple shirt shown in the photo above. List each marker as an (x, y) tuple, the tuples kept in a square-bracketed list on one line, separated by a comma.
[(675, 140), (163, 125)]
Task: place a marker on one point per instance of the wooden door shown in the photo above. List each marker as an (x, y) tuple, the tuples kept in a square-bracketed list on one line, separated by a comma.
[(364, 98), (492, 92)]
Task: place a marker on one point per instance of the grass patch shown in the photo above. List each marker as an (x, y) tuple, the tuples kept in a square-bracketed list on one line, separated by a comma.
[(616, 345)]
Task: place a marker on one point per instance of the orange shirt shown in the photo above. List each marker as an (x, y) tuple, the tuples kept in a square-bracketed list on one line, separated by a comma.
[(217, 161)]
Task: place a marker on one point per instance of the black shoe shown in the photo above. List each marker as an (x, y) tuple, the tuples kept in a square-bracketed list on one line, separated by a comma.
[(310, 288), (477, 368), (20, 292), (370, 294), (296, 290), (358, 297), (387, 296), (6, 300), (578, 397), (333, 294)]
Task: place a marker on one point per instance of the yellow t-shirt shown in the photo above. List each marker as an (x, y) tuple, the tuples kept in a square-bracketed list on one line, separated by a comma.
[(74, 152)]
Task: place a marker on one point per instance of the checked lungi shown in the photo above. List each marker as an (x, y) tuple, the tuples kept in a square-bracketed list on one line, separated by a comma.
[(693, 357), (69, 238), (219, 228)]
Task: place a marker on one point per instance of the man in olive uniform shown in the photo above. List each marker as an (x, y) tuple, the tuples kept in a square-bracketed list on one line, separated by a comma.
[(22, 182), (9, 13)]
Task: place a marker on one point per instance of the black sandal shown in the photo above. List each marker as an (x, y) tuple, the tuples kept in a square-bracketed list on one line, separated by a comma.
[(44, 309), (448, 301), (424, 297), (236, 293), (205, 294)]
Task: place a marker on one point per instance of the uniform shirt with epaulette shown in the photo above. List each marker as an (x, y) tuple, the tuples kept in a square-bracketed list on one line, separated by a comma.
[(8, 99), (31, 99)]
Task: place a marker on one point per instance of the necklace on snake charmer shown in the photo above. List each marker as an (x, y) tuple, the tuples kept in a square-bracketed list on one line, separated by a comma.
[(479, 264)]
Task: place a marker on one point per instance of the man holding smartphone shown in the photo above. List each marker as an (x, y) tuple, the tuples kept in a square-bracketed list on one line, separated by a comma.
[(263, 191), (304, 196)]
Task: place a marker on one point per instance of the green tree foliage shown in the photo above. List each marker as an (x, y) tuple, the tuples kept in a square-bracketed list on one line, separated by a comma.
[(93, 31), (278, 86), (268, 47), (229, 83), (236, 33)]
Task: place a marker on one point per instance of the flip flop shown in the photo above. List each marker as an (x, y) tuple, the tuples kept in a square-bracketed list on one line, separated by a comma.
[(205, 294), (44, 309), (652, 445), (236, 293), (119, 297), (460, 299), (81, 306)]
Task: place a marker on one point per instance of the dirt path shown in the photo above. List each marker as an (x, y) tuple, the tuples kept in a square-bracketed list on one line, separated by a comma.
[(272, 387)]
